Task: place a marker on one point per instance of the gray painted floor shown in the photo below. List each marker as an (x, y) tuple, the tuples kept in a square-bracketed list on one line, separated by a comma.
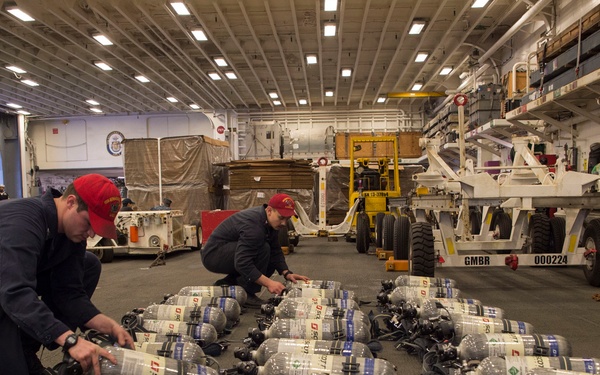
[(554, 300)]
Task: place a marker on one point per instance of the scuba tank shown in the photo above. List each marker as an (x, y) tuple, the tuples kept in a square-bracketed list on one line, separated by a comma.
[(408, 293), (183, 351), (155, 337), (230, 306), (520, 365), (205, 314), (461, 325), (233, 291), (418, 281), (289, 363), (315, 284), (431, 308), (333, 302), (321, 293), (552, 371), (313, 329), (204, 333), (134, 362), (296, 309), (300, 346)]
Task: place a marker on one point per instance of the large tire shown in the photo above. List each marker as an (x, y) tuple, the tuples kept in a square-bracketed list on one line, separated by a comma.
[(363, 233), (284, 238), (387, 242), (502, 228), (379, 229), (539, 233), (105, 255), (401, 238), (423, 253), (296, 239), (591, 241), (475, 220), (558, 230)]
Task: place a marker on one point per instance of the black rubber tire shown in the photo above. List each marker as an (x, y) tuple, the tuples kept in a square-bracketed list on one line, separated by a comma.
[(296, 239), (105, 255), (591, 240), (558, 233), (363, 233), (502, 228), (495, 214), (401, 238), (387, 242), (423, 253), (475, 220), (284, 238), (539, 232), (379, 229)]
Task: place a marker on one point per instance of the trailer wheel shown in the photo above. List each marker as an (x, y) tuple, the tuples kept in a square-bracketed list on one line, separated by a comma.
[(284, 238), (591, 240), (502, 228), (557, 227), (379, 229), (105, 255), (539, 232), (475, 220), (387, 242), (363, 233), (295, 239), (423, 253), (401, 238)]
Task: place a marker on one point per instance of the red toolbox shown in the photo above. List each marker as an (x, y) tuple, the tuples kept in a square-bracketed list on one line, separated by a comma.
[(209, 220)]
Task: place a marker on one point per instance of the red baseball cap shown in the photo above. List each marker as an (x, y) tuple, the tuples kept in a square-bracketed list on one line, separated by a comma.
[(284, 204), (103, 200)]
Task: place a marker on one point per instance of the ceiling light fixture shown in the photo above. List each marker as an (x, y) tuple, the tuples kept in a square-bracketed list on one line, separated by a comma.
[(329, 29), (15, 11), (142, 78), (273, 95), (30, 82), (214, 76), (347, 72), (172, 99), (194, 106), (311, 59), (102, 39), (479, 3), (446, 70), (199, 35), (92, 102), (16, 69), (330, 5), (220, 61), (13, 105), (180, 8), (421, 57), (302, 101), (329, 93), (102, 65), (230, 75), (381, 99), (96, 110), (416, 27), (24, 113), (417, 86), (276, 102)]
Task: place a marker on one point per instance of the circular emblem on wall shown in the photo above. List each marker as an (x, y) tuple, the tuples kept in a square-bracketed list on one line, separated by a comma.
[(220, 129), (113, 143)]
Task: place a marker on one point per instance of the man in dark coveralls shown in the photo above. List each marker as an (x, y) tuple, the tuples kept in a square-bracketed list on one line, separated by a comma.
[(245, 246), (47, 277)]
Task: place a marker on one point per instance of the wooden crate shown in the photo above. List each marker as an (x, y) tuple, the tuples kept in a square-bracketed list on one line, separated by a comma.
[(408, 146)]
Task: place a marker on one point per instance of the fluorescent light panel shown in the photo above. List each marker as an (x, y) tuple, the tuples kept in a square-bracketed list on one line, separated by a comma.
[(479, 3), (102, 39), (96, 110), (19, 14), (381, 99), (303, 102), (276, 102), (329, 93), (329, 29), (417, 86), (445, 71), (172, 99), (273, 95), (230, 75), (194, 106), (214, 76), (29, 82), (199, 34), (102, 65), (16, 69), (92, 102), (330, 5), (142, 78), (416, 27), (346, 72), (25, 113), (421, 56), (13, 105), (311, 59), (220, 61), (180, 8)]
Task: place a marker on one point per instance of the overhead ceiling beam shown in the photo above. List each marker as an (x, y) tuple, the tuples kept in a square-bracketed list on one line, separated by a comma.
[(339, 56), (361, 37), (300, 52), (415, 94)]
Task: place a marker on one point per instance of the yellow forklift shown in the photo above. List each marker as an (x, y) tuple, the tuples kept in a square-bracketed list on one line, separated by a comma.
[(374, 181)]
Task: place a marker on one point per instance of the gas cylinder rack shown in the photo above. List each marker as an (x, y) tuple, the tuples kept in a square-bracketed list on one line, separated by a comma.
[(146, 232)]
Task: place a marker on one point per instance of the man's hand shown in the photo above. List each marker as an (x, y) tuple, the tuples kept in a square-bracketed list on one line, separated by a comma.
[(295, 278), (87, 354), (123, 337), (275, 287)]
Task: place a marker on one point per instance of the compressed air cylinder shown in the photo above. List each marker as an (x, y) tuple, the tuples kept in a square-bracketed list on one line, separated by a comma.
[(230, 306), (420, 281), (432, 308), (477, 346), (297, 310), (552, 371), (233, 291), (448, 301), (409, 293), (183, 351), (290, 363), (314, 329), (321, 293), (315, 284), (155, 337), (461, 325), (203, 333), (300, 346), (333, 302), (134, 362), (204, 314), (521, 365)]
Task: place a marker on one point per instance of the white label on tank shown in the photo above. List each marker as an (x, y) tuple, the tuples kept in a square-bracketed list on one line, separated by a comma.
[(458, 307), (416, 293), (138, 363), (162, 326), (477, 324), (508, 344), (520, 365), (145, 337), (421, 281), (170, 313), (306, 347), (303, 365), (315, 329), (296, 329)]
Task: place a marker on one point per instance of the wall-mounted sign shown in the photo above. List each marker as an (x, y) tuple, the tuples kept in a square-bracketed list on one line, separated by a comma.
[(220, 129), (113, 143)]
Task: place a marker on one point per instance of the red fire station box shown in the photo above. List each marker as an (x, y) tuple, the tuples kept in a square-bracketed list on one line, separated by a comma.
[(211, 219)]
